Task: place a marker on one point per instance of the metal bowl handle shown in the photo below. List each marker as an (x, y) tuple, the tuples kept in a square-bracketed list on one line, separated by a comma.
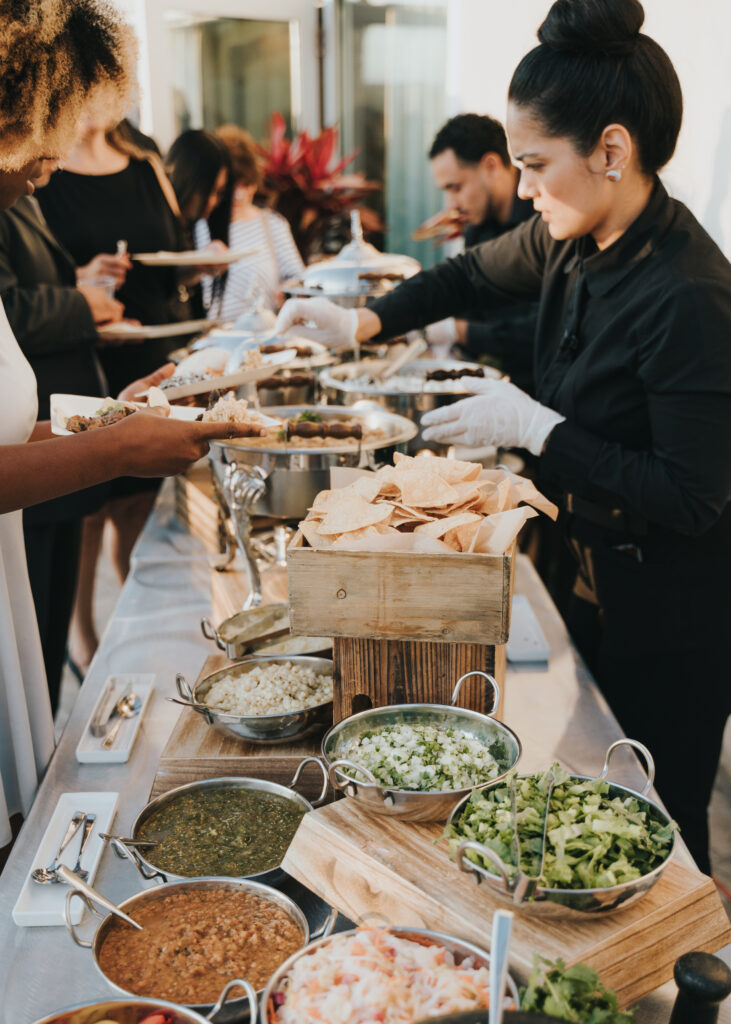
[(325, 778), (250, 998), (183, 688), (125, 852), (469, 868), (84, 943), (325, 929), (210, 632), (349, 785), (491, 680), (640, 748)]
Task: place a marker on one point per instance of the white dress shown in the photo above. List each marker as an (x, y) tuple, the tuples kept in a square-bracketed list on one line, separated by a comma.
[(26, 722)]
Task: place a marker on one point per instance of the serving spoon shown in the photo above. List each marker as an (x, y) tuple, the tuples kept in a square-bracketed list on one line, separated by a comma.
[(126, 707)]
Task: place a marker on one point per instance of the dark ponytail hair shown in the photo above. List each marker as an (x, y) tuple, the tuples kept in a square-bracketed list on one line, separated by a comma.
[(593, 68), (193, 163)]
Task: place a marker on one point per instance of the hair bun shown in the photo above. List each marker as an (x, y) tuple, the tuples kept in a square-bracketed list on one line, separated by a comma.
[(593, 26)]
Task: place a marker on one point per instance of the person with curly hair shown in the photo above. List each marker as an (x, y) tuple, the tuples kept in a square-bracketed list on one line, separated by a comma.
[(55, 57)]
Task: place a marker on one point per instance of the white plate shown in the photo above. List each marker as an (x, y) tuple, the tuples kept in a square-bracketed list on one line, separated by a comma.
[(152, 331), (63, 406), (89, 749), (192, 258), (44, 904), (225, 381)]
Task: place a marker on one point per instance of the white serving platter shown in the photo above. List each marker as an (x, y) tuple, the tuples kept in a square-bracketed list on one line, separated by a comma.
[(143, 332), (89, 749), (192, 258), (224, 381), (63, 406), (41, 905)]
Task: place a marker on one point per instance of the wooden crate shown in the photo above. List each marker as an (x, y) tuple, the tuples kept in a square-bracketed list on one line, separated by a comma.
[(398, 595), (395, 873), (196, 751)]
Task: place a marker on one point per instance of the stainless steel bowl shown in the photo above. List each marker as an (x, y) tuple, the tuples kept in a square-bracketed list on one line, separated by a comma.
[(412, 805), (142, 854), (295, 476), (240, 635), (460, 949), (292, 387), (338, 385), (231, 1010), (576, 903), (126, 1011), (259, 728)]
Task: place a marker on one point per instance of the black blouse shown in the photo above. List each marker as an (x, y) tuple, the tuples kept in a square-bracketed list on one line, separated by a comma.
[(89, 213), (633, 347)]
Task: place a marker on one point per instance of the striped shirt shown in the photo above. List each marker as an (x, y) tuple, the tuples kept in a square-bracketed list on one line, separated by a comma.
[(275, 259)]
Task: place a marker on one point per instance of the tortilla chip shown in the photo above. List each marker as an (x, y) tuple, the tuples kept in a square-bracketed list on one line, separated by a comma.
[(464, 535), (351, 513), (308, 529), (346, 539), (425, 489), (441, 526), (502, 530), (452, 470)]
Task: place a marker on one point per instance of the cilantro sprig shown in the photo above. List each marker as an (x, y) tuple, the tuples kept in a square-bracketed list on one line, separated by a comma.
[(574, 994)]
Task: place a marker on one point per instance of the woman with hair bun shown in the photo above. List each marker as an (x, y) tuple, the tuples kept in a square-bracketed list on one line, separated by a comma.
[(632, 425)]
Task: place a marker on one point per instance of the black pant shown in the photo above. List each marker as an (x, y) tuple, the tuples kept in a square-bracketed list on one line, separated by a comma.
[(668, 684), (52, 550)]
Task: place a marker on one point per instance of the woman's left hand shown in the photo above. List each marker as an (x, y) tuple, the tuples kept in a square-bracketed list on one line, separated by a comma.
[(499, 414), (130, 393)]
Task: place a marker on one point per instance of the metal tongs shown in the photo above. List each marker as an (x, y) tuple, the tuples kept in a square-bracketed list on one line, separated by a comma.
[(524, 886)]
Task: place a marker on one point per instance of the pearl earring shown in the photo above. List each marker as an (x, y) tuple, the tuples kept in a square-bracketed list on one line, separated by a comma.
[(616, 174)]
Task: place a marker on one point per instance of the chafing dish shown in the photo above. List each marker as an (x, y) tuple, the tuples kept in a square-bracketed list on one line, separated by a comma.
[(358, 272), (412, 805), (459, 948), (142, 853), (341, 385), (293, 477), (290, 387), (225, 1011), (577, 903), (260, 728)]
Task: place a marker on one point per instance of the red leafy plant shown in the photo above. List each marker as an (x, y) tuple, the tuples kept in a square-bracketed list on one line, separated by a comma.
[(302, 186)]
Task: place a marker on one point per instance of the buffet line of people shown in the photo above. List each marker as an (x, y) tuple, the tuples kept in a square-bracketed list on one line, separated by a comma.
[(600, 296)]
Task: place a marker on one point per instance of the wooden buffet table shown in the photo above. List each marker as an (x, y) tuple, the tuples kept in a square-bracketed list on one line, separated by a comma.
[(155, 628)]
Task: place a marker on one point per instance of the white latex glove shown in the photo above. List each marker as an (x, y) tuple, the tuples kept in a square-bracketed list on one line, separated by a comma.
[(320, 320), (442, 333), (499, 414)]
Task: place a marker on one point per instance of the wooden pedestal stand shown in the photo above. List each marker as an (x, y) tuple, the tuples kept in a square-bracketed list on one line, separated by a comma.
[(372, 673)]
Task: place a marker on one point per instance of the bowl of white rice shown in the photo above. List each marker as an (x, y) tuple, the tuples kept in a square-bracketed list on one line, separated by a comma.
[(267, 699)]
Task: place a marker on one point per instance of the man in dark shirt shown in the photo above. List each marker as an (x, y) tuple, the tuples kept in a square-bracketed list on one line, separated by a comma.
[(470, 164)]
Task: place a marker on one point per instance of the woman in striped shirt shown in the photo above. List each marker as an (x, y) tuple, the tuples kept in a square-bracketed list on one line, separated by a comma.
[(275, 256)]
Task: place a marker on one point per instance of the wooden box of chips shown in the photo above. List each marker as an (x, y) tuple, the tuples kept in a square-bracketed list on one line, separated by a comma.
[(421, 550), (399, 595)]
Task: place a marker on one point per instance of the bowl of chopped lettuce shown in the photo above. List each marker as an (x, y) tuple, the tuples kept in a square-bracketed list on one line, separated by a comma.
[(416, 761), (563, 844)]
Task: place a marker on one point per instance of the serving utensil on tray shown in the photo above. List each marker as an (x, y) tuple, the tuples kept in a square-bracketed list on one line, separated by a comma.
[(46, 875), (85, 836), (412, 351), (90, 896), (127, 706)]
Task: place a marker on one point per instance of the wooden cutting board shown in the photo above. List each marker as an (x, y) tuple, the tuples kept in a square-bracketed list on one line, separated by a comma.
[(382, 870), (196, 751)]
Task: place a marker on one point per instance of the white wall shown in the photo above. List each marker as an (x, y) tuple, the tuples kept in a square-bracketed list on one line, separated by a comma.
[(156, 94), (487, 38)]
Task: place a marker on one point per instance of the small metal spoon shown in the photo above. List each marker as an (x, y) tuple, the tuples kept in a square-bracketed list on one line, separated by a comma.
[(126, 707), (46, 875)]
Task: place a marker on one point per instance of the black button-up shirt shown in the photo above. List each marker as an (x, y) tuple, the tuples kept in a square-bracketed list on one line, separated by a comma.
[(633, 347)]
